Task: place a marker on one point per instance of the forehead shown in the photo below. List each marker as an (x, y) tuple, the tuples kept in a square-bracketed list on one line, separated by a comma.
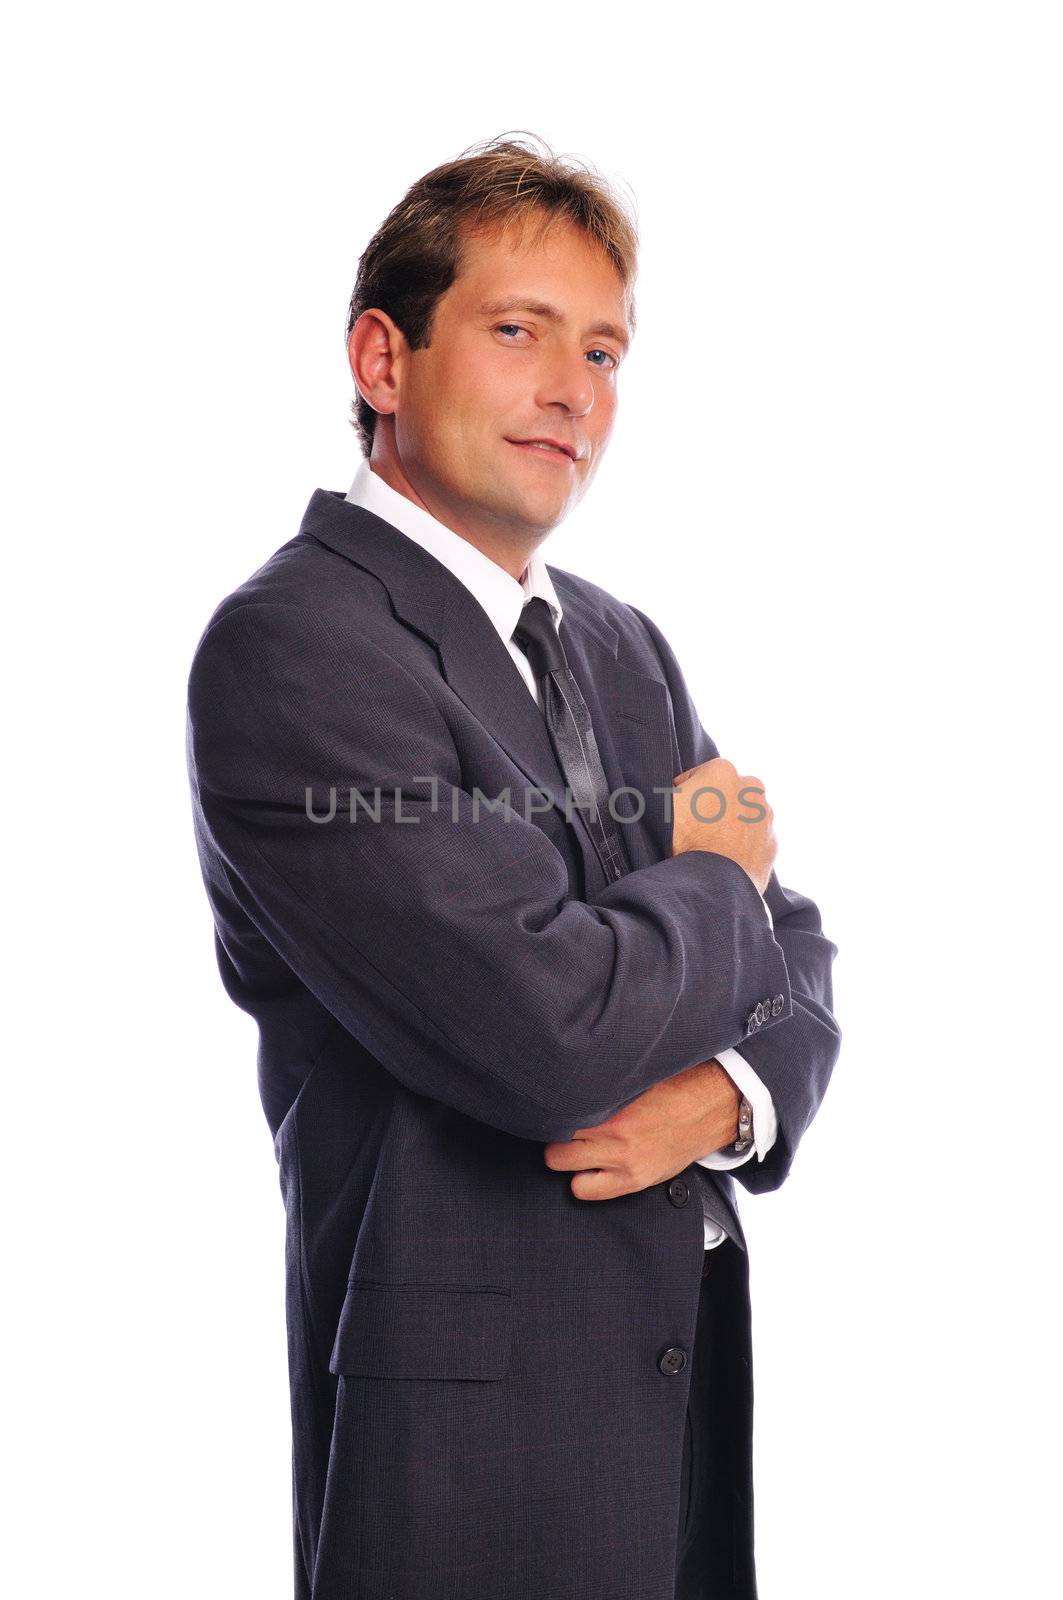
[(528, 261)]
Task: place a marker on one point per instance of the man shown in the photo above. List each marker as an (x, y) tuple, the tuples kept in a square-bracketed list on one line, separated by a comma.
[(518, 1015)]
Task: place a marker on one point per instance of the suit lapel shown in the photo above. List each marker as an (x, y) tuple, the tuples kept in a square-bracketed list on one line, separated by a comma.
[(632, 724), (629, 709)]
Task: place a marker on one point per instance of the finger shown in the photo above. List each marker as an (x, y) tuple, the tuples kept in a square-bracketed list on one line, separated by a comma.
[(572, 1155), (599, 1183)]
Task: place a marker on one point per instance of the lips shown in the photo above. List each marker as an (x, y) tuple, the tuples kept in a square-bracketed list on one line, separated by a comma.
[(546, 446)]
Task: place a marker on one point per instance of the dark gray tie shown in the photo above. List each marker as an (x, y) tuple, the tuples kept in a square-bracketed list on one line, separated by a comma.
[(569, 724), (568, 721)]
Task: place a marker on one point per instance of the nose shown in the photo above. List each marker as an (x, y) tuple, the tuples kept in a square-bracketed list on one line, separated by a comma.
[(567, 381)]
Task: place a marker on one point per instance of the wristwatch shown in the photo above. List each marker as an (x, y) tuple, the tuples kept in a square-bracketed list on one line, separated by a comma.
[(745, 1127)]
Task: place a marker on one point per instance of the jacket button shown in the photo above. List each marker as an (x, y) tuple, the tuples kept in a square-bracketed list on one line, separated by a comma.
[(760, 1011), (678, 1192), (672, 1361), (777, 1005), (751, 1022)]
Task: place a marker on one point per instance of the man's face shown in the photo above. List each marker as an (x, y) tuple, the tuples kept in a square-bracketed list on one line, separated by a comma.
[(525, 345)]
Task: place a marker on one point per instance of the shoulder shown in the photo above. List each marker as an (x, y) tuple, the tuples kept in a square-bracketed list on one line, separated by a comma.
[(306, 606), (301, 577), (307, 631)]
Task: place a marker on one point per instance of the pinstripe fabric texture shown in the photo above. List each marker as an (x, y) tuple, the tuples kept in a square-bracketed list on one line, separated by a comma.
[(483, 1403)]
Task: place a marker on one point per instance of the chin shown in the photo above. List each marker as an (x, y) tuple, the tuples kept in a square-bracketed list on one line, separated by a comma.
[(544, 514), (543, 500)]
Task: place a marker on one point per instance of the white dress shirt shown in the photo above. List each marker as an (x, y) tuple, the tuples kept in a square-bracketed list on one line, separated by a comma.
[(504, 598)]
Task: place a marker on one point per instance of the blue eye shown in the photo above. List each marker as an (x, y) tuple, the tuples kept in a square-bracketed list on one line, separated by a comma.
[(510, 328)]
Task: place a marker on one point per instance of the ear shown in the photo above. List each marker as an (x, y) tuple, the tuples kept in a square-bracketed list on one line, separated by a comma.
[(377, 351)]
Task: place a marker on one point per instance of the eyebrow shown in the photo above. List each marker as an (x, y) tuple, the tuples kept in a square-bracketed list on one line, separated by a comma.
[(539, 308)]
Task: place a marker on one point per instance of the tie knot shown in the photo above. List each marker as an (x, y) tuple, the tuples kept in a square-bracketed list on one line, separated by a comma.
[(538, 637)]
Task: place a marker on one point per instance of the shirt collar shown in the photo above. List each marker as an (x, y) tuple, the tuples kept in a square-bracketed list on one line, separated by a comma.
[(500, 594)]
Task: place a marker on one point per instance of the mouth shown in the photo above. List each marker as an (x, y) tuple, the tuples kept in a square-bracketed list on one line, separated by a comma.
[(550, 449)]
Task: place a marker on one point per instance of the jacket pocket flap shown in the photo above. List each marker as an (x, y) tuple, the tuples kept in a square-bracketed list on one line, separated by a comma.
[(423, 1330)]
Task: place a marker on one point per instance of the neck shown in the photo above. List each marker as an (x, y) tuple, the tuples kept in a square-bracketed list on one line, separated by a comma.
[(504, 547)]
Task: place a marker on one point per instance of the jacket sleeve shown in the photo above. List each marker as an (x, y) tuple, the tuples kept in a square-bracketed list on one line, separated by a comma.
[(794, 1061), (439, 931)]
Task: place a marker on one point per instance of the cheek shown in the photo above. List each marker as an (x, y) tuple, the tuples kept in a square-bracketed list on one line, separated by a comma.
[(605, 401), (473, 396), (604, 413), (446, 412), (496, 397)]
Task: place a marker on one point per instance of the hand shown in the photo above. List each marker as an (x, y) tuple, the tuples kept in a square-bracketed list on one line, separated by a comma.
[(669, 1125), (733, 819)]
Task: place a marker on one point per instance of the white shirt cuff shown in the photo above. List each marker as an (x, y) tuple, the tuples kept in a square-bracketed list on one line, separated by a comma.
[(765, 1125)]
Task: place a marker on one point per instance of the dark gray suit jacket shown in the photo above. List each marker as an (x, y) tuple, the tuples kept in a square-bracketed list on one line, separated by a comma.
[(477, 1401)]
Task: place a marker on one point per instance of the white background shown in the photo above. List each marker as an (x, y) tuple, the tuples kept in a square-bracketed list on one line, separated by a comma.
[(835, 485)]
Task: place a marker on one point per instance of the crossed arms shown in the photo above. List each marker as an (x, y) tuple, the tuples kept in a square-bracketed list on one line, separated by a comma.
[(449, 947)]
